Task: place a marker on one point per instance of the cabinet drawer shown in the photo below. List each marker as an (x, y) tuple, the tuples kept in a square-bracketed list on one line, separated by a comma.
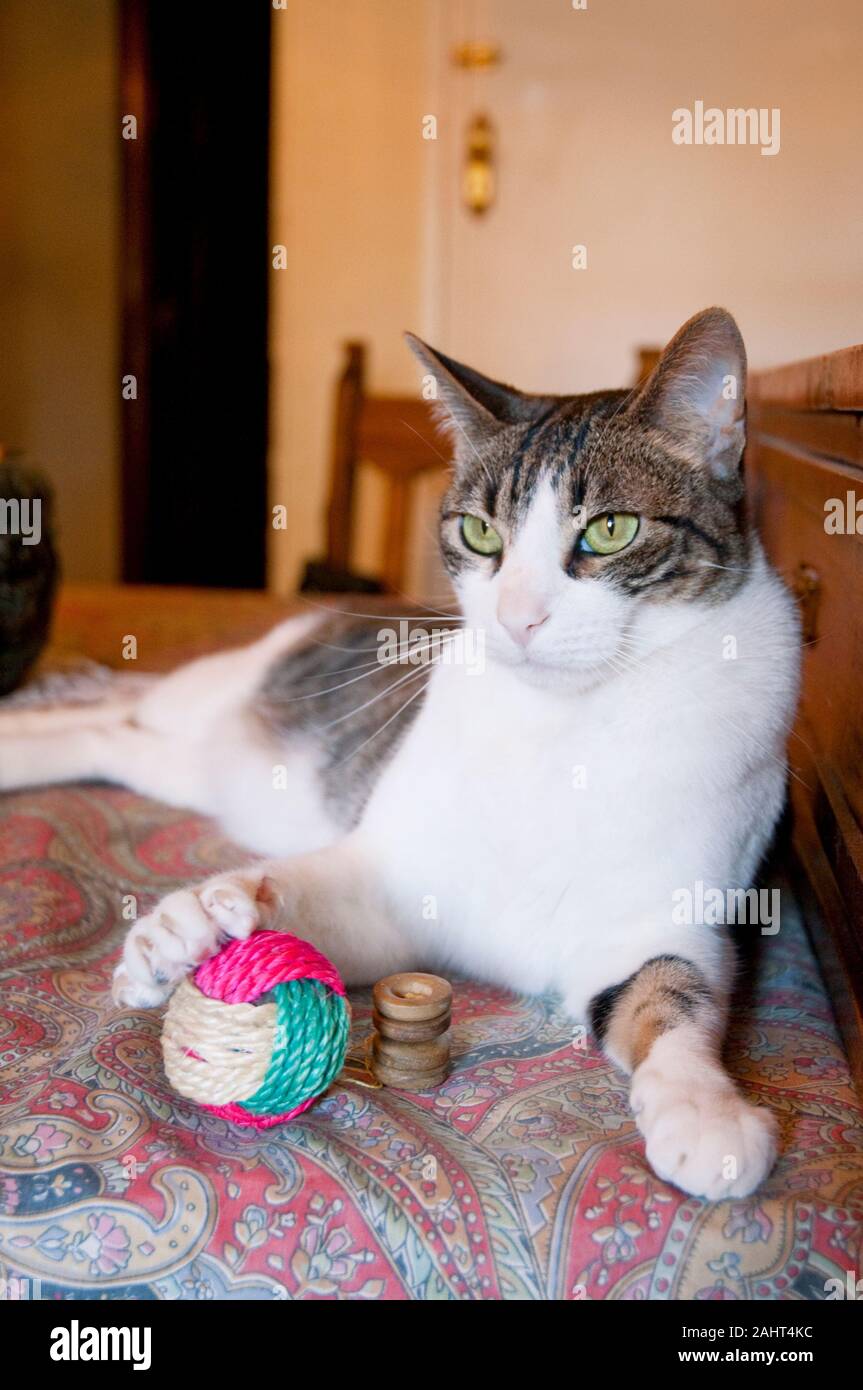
[(804, 471)]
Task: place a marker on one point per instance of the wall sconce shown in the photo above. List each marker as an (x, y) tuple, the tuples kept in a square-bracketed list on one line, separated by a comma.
[(476, 55), (478, 176), (478, 181)]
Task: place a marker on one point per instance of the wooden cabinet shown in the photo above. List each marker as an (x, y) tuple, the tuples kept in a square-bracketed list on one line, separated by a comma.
[(804, 466)]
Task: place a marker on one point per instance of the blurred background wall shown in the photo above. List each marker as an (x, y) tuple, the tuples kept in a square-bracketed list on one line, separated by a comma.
[(59, 273), (378, 238), (581, 103), (59, 283), (347, 191)]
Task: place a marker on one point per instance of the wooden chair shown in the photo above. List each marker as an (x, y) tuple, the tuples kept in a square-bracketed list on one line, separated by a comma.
[(396, 435), (647, 360)]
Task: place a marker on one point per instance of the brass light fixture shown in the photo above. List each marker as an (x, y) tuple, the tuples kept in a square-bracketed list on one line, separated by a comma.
[(476, 55), (478, 180), (478, 173)]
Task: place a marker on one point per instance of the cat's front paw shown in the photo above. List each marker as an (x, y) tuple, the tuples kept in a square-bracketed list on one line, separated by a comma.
[(704, 1138), (186, 928)]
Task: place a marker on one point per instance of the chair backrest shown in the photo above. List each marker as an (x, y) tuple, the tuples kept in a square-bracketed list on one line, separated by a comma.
[(396, 435)]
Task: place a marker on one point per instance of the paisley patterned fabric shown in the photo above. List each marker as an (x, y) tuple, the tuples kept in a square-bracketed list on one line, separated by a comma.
[(522, 1177)]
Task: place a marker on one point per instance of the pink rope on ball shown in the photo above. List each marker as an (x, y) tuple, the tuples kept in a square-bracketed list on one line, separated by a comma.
[(239, 1115), (244, 970)]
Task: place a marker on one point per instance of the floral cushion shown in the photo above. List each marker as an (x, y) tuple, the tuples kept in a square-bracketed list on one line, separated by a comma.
[(522, 1177)]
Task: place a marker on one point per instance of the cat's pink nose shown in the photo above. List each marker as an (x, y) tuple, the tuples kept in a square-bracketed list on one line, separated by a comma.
[(522, 617)]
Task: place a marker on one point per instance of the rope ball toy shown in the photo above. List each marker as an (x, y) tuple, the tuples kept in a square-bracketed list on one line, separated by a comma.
[(260, 1030)]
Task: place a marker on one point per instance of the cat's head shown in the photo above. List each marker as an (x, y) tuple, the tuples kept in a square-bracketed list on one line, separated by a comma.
[(580, 529)]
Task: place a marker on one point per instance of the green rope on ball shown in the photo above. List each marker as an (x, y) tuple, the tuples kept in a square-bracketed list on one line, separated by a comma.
[(311, 1036)]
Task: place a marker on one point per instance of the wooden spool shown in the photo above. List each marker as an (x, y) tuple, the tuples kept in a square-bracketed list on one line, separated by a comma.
[(411, 1043)]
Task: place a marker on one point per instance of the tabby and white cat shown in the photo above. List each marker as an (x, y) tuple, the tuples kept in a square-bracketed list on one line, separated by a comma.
[(534, 824)]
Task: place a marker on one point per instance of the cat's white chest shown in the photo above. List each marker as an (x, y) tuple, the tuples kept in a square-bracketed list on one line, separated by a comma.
[(504, 817)]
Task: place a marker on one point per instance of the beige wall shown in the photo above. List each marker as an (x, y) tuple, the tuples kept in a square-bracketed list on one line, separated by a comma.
[(59, 153), (378, 240), (347, 189), (583, 104)]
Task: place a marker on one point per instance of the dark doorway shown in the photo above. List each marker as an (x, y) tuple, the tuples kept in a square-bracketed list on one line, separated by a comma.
[(195, 265)]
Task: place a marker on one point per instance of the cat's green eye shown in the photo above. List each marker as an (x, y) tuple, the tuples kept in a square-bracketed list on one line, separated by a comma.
[(607, 534), (479, 536)]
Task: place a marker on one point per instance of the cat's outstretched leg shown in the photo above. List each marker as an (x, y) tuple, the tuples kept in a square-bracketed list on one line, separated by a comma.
[(664, 1026), (329, 897), (149, 762)]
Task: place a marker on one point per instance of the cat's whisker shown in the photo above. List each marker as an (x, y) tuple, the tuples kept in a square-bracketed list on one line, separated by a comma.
[(747, 733), (480, 460), (337, 647), (614, 665), (732, 569), (373, 616), (385, 725), (428, 600), (370, 666), (427, 443), (408, 645), (381, 694), (373, 667)]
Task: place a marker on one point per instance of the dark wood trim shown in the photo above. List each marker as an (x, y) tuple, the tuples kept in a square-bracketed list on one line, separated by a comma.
[(827, 877), (831, 382), (831, 434), (343, 466), (136, 279), (196, 263)]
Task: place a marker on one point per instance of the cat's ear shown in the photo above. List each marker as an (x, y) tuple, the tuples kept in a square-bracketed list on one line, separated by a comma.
[(696, 394), (468, 405)]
